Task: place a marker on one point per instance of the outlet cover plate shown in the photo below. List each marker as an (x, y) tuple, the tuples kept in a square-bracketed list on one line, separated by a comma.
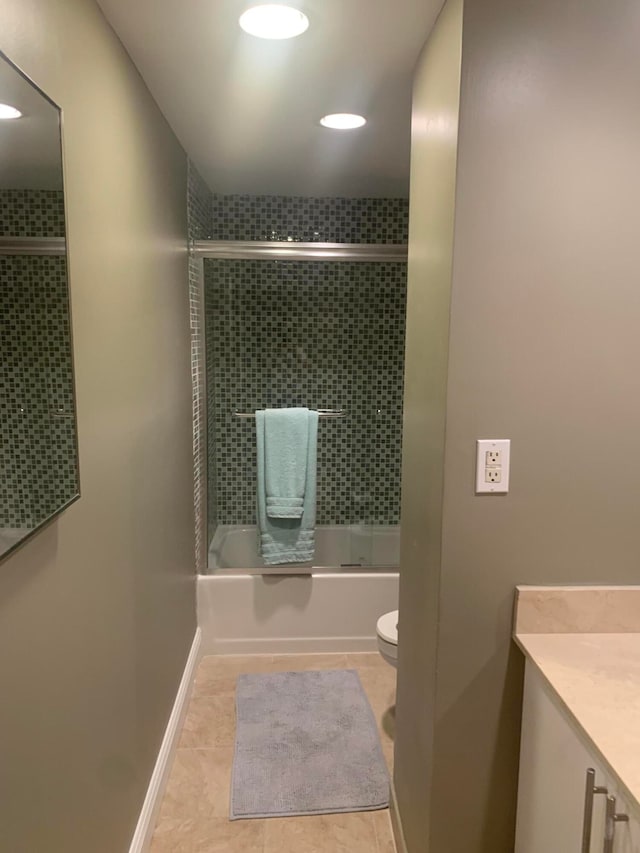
[(483, 484)]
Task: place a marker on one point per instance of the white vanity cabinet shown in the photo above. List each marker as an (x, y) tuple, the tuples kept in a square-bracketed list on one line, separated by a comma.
[(554, 759)]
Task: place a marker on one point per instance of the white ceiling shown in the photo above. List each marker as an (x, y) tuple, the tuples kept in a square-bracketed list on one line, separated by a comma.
[(30, 153), (246, 110)]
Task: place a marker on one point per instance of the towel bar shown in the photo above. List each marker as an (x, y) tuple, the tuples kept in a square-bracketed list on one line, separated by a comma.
[(322, 413)]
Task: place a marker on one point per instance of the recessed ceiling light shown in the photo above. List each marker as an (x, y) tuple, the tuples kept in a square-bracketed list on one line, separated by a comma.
[(7, 111), (343, 121), (273, 21)]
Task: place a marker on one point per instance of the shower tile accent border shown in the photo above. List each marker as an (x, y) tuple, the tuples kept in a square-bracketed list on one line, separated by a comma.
[(198, 219), (199, 199), (310, 220)]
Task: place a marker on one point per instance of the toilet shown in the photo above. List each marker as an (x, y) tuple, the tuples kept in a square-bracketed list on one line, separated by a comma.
[(387, 631)]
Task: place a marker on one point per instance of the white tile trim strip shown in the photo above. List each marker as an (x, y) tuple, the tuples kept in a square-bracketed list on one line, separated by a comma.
[(147, 820)]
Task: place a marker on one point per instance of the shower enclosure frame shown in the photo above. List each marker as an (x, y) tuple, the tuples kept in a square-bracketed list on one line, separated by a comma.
[(291, 610), (257, 250), (289, 250)]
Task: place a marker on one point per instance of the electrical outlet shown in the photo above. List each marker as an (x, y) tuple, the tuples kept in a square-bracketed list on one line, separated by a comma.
[(493, 457), (493, 474), (492, 466)]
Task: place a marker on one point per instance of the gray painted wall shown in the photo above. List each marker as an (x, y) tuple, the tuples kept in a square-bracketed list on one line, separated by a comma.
[(544, 350), (431, 228), (97, 612)]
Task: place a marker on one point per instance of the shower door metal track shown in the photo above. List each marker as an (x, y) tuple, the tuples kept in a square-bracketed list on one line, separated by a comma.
[(271, 250), (33, 246)]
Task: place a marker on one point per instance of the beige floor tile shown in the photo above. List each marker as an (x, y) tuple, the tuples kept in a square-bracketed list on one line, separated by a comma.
[(193, 817), (199, 783), (387, 724), (230, 666), (208, 835), (301, 663), (378, 676), (208, 683), (335, 833), (210, 721), (381, 694), (387, 751), (378, 687), (384, 833), (215, 669), (357, 659)]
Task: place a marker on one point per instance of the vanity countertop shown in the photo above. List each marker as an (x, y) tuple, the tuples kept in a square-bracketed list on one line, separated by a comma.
[(585, 642)]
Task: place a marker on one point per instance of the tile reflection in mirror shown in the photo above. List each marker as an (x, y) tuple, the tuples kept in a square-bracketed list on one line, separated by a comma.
[(38, 436)]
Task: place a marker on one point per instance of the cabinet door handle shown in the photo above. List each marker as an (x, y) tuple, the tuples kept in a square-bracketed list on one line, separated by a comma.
[(591, 789), (610, 826)]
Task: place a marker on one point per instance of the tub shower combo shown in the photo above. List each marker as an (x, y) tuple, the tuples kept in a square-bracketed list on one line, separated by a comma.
[(320, 326)]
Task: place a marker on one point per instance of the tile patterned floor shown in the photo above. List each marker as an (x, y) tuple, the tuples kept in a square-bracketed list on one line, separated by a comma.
[(194, 813)]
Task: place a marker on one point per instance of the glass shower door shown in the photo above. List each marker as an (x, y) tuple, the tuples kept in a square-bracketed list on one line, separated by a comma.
[(326, 335)]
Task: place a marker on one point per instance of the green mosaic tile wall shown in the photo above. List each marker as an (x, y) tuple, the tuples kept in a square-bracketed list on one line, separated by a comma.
[(317, 334)]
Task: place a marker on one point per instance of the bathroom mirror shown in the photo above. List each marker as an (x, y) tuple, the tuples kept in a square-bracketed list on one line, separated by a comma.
[(38, 451)]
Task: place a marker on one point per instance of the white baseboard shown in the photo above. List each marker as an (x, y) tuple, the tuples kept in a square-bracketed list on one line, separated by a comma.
[(147, 820), (289, 645), (396, 822)]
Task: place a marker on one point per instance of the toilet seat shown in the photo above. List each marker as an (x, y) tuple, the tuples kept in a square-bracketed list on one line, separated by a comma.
[(387, 627)]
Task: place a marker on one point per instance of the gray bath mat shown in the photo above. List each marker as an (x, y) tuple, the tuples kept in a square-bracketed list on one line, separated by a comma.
[(306, 743)]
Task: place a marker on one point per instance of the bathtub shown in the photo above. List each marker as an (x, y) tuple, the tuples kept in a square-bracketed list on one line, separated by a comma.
[(329, 605)]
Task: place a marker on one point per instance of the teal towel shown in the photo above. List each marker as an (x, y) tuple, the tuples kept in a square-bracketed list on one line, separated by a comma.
[(286, 439), (287, 539)]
